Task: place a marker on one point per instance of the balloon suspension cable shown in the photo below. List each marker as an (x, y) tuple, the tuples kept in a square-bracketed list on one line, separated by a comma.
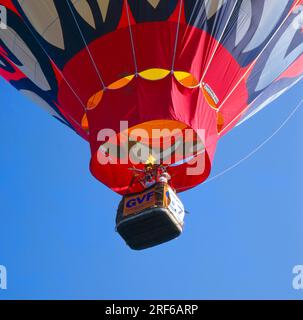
[(259, 147)]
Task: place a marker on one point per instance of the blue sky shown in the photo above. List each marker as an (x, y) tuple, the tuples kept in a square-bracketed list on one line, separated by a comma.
[(242, 238)]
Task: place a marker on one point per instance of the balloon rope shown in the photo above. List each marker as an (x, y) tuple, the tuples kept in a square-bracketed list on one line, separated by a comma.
[(192, 15), (131, 39), (236, 118), (218, 43), (254, 112), (86, 46), (59, 71), (177, 37), (257, 58), (260, 146)]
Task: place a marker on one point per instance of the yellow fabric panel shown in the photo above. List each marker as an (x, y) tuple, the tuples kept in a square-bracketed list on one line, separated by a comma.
[(220, 122), (84, 123), (209, 99), (186, 79), (154, 74), (121, 83), (94, 100)]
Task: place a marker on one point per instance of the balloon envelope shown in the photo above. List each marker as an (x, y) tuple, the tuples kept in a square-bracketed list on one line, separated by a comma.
[(155, 64)]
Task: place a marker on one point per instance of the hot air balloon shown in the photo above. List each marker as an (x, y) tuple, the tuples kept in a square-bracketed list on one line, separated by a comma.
[(152, 85)]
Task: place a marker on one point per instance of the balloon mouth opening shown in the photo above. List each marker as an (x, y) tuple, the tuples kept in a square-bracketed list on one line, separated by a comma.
[(168, 143), (163, 142)]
